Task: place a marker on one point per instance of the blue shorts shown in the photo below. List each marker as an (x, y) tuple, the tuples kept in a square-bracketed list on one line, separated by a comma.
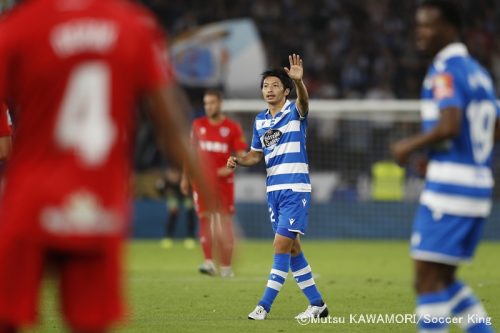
[(446, 239), (289, 210)]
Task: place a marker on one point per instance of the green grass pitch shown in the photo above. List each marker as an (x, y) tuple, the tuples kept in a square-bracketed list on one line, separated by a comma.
[(167, 294)]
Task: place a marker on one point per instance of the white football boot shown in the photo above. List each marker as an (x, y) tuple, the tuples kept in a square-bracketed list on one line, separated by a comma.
[(313, 311), (208, 268), (226, 272), (258, 314)]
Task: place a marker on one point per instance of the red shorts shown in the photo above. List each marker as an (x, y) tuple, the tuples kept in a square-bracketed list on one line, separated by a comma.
[(90, 283), (89, 280), (224, 196)]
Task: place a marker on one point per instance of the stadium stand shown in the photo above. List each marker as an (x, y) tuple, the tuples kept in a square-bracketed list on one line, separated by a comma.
[(357, 52)]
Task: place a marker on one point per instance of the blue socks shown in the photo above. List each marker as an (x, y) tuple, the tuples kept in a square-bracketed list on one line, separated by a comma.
[(457, 300), (276, 280), (303, 275)]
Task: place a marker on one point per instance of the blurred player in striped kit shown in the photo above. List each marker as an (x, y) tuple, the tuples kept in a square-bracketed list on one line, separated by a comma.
[(279, 135), (459, 114)]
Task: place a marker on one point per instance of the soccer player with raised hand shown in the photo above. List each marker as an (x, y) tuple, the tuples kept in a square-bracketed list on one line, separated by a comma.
[(279, 135), (460, 115)]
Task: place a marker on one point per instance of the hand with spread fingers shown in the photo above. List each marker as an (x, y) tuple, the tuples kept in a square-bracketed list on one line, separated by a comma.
[(296, 71)]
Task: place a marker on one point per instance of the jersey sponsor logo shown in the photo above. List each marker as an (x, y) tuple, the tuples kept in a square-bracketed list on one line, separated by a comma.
[(224, 131), (272, 137), (291, 220), (443, 86), (214, 146), (81, 214)]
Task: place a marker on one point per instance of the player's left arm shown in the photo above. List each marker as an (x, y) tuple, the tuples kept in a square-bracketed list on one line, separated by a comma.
[(296, 73), (449, 124), (5, 146), (448, 127), (497, 123)]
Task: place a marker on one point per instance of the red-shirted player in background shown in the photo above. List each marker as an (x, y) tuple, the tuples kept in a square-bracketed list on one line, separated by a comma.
[(75, 71), (5, 132), (216, 138)]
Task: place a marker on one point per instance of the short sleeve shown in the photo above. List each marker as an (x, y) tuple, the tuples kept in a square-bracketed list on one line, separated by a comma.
[(296, 113), (256, 144), (445, 89)]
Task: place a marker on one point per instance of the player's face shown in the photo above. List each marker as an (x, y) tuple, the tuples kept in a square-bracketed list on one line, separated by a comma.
[(212, 105), (273, 90), (430, 30)]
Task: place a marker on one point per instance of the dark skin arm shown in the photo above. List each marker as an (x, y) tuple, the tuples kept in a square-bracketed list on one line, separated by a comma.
[(168, 109), (5, 146), (497, 130), (448, 127)]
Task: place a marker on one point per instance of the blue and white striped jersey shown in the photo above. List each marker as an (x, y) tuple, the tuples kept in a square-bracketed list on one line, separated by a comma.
[(282, 139), (459, 180)]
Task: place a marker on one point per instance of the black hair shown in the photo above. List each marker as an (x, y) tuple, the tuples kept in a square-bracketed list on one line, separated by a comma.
[(280, 74), (451, 11)]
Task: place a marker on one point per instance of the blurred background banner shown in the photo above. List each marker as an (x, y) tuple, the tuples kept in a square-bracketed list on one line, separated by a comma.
[(227, 54), (5, 4)]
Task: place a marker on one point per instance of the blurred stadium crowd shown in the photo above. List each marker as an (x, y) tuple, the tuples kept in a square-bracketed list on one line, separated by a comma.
[(352, 48)]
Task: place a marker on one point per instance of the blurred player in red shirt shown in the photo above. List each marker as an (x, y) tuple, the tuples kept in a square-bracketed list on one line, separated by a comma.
[(75, 71), (5, 132), (216, 137)]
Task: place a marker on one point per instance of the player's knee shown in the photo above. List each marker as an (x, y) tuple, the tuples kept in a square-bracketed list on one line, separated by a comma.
[(296, 249), (427, 282), (282, 245)]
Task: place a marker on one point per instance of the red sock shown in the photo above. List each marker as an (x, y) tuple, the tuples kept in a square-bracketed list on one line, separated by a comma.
[(206, 237), (226, 240)]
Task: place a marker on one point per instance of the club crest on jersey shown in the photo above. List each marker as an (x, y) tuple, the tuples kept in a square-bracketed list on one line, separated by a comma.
[(272, 137), (443, 86), (224, 131)]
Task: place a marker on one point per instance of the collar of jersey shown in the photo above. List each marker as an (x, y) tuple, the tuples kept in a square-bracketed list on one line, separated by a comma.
[(268, 112), (450, 51)]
